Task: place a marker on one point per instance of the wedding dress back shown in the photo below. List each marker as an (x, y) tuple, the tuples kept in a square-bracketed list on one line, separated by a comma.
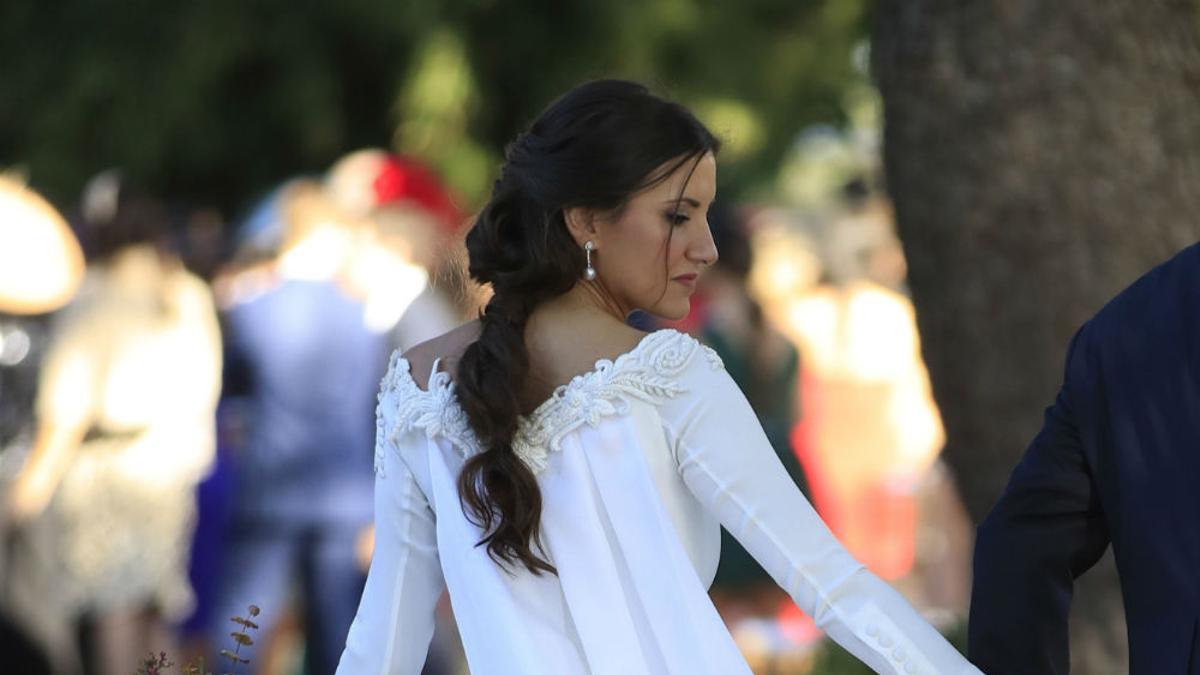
[(639, 461)]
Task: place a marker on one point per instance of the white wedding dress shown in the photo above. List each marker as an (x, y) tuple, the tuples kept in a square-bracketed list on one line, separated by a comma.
[(638, 461)]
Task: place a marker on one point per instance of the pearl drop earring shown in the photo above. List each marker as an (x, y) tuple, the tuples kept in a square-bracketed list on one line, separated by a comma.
[(590, 272)]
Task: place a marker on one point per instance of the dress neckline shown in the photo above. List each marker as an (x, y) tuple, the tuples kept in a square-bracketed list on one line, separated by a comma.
[(649, 371), (600, 367), (440, 381)]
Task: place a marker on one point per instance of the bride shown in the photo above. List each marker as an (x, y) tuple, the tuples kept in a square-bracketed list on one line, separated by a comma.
[(564, 474)]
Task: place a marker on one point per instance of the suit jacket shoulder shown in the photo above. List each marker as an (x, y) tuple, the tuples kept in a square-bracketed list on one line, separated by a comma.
[(1161, 302)]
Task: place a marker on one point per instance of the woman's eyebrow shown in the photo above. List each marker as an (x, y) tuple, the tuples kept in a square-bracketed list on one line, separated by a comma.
[(695, 204)]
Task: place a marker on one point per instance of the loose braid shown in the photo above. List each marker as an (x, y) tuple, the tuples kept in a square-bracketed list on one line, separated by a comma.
[(594, 147), (499, 492)]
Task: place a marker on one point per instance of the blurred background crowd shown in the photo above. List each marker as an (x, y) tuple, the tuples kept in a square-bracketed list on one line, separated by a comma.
[(189, 403), (218, 220)]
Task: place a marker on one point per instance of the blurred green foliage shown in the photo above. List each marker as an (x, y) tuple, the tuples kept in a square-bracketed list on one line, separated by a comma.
[(214, 102)]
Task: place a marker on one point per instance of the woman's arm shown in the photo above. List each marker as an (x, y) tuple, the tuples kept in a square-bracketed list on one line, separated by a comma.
[(66, 403), (47, 462), (725, 460), (391, 632)]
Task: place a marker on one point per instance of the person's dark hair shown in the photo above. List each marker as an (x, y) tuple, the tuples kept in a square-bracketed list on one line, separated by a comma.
[(731, 239), (595, 147), (116, 215)]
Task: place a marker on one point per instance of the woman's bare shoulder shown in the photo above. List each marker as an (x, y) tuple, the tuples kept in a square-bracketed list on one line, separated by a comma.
[(447, 347)]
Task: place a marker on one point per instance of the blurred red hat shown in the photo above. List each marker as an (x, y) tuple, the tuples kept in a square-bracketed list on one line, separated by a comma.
[(369, 179)]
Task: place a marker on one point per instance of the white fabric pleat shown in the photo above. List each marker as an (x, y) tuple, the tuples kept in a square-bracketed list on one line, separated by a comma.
[(513, 622), (693, 640)]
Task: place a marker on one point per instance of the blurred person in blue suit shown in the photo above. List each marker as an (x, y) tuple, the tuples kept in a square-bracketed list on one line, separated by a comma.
[(301, 353), (307, 339)]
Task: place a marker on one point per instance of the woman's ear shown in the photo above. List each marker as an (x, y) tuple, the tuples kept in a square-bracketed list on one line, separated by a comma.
[(581, 223)]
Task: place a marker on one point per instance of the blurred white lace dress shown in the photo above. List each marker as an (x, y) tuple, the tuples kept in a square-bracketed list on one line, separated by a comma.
[(638, 461), (136, 361)]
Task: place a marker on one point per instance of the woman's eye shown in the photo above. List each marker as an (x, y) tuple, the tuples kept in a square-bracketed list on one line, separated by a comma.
[(678, 218)]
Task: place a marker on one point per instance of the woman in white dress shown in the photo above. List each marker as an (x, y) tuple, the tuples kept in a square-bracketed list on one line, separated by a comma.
[(565, 475)]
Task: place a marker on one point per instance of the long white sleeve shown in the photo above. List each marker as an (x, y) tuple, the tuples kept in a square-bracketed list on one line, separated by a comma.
[(391, 632), (727, 463)]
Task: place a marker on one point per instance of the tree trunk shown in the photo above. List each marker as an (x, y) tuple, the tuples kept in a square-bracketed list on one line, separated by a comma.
[(1041, 156)]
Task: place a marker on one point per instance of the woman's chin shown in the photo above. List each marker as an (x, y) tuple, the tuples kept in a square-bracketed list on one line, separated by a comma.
[(670, 311)]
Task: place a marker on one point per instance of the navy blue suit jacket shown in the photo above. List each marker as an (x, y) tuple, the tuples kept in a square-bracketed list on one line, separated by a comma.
[(1117, 461)]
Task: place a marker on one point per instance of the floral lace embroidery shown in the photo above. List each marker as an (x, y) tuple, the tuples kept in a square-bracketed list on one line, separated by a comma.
[(649, 372), (434, 410)]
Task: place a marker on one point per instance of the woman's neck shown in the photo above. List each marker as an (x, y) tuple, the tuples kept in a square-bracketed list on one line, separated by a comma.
[(566, 335), (584, 302)]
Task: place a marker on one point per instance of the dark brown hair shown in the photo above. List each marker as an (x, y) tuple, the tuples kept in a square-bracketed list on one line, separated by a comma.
[(595, 147), (117, 214)]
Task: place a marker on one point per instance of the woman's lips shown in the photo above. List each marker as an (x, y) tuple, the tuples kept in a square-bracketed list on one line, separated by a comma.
[(688, 280)]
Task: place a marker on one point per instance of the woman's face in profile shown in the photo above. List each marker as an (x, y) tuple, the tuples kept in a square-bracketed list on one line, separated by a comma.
[(652, 253)]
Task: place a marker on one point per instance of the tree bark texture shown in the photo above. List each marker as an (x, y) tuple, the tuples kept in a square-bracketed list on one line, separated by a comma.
[(1041, 156)]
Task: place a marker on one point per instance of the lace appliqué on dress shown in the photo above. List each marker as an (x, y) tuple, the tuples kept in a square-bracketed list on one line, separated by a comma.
[(649, 372), (434, 410)]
